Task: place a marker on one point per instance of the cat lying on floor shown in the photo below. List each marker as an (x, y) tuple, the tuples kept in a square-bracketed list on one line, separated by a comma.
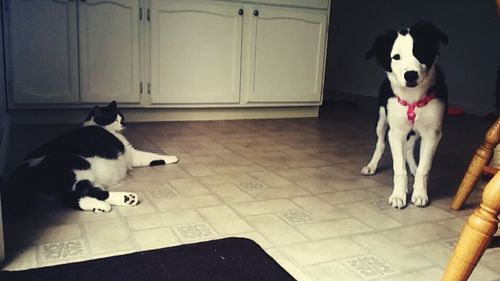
[(77, 167)]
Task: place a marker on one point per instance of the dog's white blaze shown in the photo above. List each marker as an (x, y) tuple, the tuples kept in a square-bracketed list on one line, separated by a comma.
[(403, 46)]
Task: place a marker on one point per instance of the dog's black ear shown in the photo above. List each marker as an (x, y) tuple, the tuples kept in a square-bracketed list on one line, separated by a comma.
[(430, 28), (381, 49)]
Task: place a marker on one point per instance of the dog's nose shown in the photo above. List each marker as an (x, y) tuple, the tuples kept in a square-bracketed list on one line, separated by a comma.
[(411, 76)]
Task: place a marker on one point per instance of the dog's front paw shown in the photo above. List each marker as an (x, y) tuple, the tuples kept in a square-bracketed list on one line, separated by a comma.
[(369, 170), (397, 201), (419, 198)]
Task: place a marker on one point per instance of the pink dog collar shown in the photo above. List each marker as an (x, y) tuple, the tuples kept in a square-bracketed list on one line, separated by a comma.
[(410, 111)]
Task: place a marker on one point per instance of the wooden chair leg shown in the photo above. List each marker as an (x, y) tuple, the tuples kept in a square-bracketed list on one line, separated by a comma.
[(475, 169), (477, 234)]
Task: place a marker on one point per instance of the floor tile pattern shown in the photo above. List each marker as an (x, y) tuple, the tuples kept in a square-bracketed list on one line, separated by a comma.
[(291, 185)]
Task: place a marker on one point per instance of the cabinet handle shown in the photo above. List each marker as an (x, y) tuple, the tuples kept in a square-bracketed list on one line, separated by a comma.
[(240, 12), (256, 13)]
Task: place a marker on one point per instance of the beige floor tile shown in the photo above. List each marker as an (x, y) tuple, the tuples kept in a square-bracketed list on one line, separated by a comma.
[(311, 253), (62, 252), (194, 232), (257, 238), (198, 169), (231, 194), (415, 215), (433, 273), (189, 187), (359, 183), (342, 227), (344, 197), (320, 209), (290, 267), (100, 233), (224, 179), (402, 258), (315, 185), (277, 192), (57, 233), (166, 172), (22, 258), (370, 216), (162, 219), (187, 203), (276, 230), (263, 207), (438, 252), (271, 179), (414, 234), (224, 220), (155, 238), (332, 271)]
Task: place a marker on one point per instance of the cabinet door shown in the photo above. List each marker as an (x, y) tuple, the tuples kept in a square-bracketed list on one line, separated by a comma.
[(42, 51), (109, 50), (195, 52), (286, 57)]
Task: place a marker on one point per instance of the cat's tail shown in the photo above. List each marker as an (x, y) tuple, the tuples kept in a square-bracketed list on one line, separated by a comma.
[(17, 194)]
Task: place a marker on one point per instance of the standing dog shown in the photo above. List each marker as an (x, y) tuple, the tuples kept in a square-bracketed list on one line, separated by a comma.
[(412, 104)]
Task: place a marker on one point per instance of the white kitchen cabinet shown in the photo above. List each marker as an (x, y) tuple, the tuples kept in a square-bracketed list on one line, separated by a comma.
[(285, 55), (42, 51), (109, 50), (195, 52), (176, 53)]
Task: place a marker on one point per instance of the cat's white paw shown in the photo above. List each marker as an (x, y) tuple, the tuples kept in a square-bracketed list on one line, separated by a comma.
[(94, 205), (170, 159), (123, 198)]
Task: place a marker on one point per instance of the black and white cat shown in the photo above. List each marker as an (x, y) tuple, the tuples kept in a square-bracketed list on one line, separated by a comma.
[(78, 167)]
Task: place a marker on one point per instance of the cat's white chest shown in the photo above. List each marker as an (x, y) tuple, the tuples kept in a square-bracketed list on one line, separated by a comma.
[(109, 172)]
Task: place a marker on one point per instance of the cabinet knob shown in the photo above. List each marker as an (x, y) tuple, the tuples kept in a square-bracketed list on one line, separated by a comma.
[(256, 13), (240, 12)]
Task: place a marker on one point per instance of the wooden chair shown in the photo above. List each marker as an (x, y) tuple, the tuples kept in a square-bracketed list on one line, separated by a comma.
[(478, 166), (477, 234)]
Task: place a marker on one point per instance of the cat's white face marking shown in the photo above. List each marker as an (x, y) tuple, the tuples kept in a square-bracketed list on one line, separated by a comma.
[(116, 126)]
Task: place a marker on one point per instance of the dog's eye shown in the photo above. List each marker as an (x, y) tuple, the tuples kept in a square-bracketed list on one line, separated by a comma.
[(396, 57)]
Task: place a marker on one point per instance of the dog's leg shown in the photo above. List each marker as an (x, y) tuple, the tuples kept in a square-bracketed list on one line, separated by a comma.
[(410, 156), (142, 159), (397, 140), (371, 168), (430, 141)]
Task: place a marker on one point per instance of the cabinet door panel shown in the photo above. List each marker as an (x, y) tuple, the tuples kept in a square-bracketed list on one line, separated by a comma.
[(195, 52), (42, 51), (286, 57), (109, 50)]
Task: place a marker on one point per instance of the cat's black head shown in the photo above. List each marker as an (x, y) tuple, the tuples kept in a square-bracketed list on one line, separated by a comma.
[(108, 116)]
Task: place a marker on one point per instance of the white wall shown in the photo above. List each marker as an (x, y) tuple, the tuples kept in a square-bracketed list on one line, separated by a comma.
[(470, 61)]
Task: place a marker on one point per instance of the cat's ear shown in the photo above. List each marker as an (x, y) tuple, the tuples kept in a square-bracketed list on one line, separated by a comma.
[(112, 105), (95, 111)]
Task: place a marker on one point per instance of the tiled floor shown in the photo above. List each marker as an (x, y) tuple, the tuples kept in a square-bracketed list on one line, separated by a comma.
[(292, 185)]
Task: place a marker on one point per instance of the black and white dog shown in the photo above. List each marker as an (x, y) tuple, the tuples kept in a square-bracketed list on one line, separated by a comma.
[(412, 104), (78, 167)]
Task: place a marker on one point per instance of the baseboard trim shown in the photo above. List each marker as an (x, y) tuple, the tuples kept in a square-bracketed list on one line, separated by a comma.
[(71, 116)]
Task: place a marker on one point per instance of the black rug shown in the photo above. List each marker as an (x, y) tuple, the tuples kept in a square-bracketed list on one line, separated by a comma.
[(231, 259)]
